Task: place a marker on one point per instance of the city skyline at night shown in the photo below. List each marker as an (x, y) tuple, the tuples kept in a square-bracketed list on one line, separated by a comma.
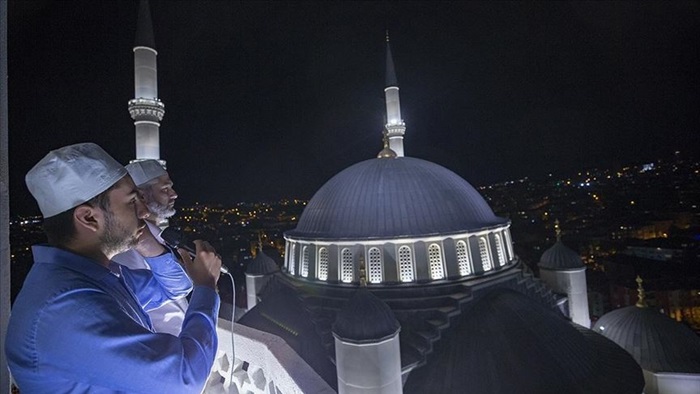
[(266, 100)]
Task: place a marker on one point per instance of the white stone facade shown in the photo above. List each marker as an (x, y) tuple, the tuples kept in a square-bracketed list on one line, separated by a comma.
[(394, 261)]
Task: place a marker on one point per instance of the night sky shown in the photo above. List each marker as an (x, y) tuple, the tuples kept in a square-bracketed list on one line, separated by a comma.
[(268, 100)]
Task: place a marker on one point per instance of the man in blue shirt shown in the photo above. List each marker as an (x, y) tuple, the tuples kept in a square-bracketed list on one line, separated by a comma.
[(156, 188), (79, 324)]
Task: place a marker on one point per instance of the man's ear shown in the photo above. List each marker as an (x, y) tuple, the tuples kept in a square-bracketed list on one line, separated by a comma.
[(88, 218)]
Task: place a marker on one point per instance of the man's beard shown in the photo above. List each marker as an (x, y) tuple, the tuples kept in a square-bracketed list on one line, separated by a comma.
[(160, 211), (116, 238)]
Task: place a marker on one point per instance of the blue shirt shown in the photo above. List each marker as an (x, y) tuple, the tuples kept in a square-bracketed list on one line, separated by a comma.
[(78, 327)]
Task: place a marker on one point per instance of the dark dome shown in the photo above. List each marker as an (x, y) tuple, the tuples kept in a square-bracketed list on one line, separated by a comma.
[(657, 342), (262, 264), (365, 318), (390, 198), (560, 257)]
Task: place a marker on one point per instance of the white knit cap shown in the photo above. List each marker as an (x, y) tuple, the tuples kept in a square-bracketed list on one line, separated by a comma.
[(145, 170), (72, 175)]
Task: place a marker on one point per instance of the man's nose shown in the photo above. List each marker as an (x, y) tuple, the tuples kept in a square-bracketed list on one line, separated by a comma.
[(142, 211)]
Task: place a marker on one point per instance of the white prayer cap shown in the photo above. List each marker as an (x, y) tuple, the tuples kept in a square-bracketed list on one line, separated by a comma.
[(145, 170), (72, 175)]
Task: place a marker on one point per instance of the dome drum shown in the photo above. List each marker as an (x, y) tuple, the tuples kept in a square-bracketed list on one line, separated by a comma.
[(398, 261)]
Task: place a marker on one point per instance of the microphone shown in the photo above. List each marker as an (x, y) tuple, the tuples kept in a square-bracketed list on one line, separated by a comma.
[(176, 239)]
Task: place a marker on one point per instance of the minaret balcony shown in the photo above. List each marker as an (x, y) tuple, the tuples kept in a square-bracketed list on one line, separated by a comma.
[(397, 129), (146, 109)]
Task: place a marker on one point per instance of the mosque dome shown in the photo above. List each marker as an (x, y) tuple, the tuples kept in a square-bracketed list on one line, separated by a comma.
[(365, 318), (560, 257), (394, 198), (262, 264), (657, 342)]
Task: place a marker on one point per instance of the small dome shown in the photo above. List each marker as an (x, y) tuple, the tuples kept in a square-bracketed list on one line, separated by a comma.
[(560, 257), (262, 264), (401, 197), (364, 319), (657, 342)]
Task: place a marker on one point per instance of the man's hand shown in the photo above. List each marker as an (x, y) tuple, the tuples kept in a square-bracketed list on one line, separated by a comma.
[(205, 268), (148, 245)]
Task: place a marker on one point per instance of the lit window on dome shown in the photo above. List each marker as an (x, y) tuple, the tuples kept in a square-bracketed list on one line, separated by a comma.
[(304, 262), (323, 264), (463, 259), (292, 259), (485, 257), (375, 265), (499, 250), (435, 259), (405, 264), (509, 244), (346, 266)]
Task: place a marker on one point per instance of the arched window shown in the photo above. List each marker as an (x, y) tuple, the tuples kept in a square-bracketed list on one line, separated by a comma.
[(405, 264), (346, 265), (484, 253), (500, 251), (292, 259), (509, 244), (304, 261), (322, 264), (375, 265), (435, 260), (463, 259)]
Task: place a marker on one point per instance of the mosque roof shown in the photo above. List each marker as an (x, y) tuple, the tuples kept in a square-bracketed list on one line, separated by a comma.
[(494, 335), (394, 198), (507, 343), (657, 342), (560, 257)]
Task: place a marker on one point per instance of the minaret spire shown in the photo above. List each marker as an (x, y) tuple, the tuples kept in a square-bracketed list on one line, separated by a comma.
[(641, 294), (146, 108), (395, 127)]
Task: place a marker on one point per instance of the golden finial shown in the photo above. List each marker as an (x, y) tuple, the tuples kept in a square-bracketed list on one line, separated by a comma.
[(363, 277), (557, 230), (641, 302), (386, 153)]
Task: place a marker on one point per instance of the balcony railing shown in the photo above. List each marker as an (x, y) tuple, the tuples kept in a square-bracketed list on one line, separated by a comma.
[(262, 363)]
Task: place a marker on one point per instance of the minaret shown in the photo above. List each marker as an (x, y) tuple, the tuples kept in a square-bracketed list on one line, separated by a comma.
[(563, 270), (146, 109), (395, 126)]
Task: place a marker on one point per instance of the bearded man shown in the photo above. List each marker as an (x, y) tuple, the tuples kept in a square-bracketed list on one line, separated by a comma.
[(79, 324), (156, 188)]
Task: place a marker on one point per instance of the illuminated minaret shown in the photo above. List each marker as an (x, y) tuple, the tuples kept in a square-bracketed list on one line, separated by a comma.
[(146, 109), (395, 128)]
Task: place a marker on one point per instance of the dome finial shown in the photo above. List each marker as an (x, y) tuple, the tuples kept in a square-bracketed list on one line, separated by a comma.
[(260, 245), (557, 230), (387, 35), (363, 275), (641, 294), (386, 153)]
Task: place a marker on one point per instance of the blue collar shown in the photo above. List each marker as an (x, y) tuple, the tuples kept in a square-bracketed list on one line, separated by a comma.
[(46, 254)]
